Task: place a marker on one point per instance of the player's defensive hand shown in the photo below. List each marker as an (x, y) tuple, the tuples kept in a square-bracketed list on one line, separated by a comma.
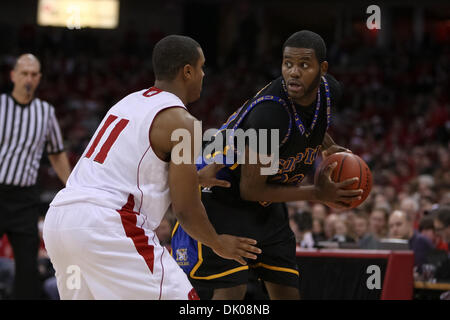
[(335, 192), (207, 176), (236, 248)]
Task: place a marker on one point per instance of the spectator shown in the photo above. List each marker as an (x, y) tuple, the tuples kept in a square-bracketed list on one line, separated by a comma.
[(304, 221), (329, 226), (318, 233), (364, 238), (425, 184), (378, 222), (341, 231), (442, 227), (319, 211), (427, 203), (6, 269), (297, 206), (445, 200), (411, 208), (301, 225), (442, 223), (426, 229), (400, 227), (294, 225)]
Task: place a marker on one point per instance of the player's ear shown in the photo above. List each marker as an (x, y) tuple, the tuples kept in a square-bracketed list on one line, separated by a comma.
[(323, 68), (187, 72)]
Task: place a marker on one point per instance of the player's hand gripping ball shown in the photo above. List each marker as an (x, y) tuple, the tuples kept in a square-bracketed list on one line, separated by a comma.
[(349, 165)]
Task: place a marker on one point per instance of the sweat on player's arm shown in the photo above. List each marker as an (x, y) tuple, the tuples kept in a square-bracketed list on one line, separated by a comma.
[(254, 187), (185, 196)]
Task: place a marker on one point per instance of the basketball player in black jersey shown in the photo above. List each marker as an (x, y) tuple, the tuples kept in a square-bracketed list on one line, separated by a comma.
[(299, 105)]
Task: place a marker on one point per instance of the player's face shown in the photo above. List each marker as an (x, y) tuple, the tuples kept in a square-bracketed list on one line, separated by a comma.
[(196, 82), (301, 72), (26, 76)]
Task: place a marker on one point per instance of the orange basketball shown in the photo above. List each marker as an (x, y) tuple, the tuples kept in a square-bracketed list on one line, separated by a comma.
[(349, 165)]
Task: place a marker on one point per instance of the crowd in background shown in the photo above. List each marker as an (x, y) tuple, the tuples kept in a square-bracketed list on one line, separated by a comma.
[(395, 114)]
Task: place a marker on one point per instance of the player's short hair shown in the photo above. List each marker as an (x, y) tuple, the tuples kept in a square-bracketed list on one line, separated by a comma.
[(171, 54), (310, 40)]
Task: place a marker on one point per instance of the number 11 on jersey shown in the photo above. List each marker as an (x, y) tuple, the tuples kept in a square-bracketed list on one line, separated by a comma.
[(118, 128)]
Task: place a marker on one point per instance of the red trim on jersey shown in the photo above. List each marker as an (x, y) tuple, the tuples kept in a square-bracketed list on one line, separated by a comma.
[(151, 92), (150, 130), (118, 128), (137, 235), (100, 134)]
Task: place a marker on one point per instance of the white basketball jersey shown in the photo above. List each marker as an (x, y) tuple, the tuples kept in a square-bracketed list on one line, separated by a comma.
[(119, 168)]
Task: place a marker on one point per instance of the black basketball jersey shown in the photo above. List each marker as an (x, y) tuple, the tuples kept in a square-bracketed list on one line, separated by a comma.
[(270, 109)]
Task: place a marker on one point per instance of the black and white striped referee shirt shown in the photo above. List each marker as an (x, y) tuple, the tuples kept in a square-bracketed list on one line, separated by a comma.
[(25, 130)]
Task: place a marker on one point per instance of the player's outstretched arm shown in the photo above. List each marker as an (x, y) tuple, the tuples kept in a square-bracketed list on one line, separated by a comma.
[(184, 191), (254, 187)]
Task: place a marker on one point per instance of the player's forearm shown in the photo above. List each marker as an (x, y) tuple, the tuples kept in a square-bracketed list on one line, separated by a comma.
[(279, 193), (196, 223)]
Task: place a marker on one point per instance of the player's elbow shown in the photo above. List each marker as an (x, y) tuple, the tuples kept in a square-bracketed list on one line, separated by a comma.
[(178, 209), (184, 211)]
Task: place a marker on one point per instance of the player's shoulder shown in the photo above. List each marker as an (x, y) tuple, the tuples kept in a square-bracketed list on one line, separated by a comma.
[(332, 81), (146, 103), (160, 95), (335, 86), (268, 115), (154, 96), (274, 88)]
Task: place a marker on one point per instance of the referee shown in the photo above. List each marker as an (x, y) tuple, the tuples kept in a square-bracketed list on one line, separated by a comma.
[(27, 126)]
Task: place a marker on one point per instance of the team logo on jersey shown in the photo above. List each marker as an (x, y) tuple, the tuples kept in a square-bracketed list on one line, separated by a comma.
[(182, 257)]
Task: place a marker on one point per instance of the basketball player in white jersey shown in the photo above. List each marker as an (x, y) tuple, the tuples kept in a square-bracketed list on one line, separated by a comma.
[(99, 230)]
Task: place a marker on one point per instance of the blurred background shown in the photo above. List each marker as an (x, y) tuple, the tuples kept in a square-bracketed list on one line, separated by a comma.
[(395, 112)]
